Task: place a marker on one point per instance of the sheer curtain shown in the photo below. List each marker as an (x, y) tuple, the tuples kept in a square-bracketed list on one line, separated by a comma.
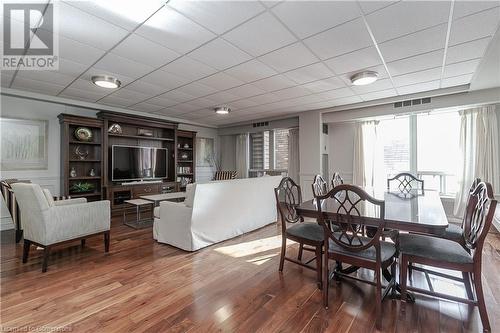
[(368, 156), (242, 155), (293, 154), (479, 146)]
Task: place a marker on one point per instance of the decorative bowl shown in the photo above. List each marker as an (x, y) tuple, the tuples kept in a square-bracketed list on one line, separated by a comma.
[(83, 134)]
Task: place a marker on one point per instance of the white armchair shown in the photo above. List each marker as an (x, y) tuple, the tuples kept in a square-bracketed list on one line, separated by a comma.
[(47, 222)]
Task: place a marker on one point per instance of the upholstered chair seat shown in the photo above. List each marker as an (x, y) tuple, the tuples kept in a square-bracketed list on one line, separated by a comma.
[(307, 230), (434, 248), (453, 232), (387, 250)]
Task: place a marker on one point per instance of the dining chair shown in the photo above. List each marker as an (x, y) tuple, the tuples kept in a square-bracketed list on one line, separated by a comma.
[(319, 186), (352, 208), (336, 180), (406, 182), (448, 254), (309, 235)]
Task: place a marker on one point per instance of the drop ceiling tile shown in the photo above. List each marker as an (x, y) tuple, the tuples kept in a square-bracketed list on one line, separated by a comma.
[(218, 16), (5, 79), (146, 107), (187, 107), (188, 68), (289, 57), (467, 51), (250, 71), (292, 92), (309, 73), (274, 83), (222, 97), (242, 104), (175, 95), (164, 80), (326, 14), (203, 102), (456, 80), (246, 90), (42, 87), (82, 95), (324, 85), (475, 26), (83, 27), (129, 94), (169, 112), (461, 68), (417, 43), (416, 63), (260, 35), (127, 14), (197, 89), (146, 88), (144, 51), (407, 17), (355, 61), (417, 77), (219, 54), (378, 94), (464, 8), (67, 72), (221, 81), (162, 101), (346, 100), (336, 93), (378, 85), (264, 98), (370, 6), (175, 31), (345, 38), (419, 87), (116, 101), (122, 66)]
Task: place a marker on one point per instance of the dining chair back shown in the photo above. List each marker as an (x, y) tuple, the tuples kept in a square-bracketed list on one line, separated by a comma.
[(405, 182), (336, 180), (319, 186)]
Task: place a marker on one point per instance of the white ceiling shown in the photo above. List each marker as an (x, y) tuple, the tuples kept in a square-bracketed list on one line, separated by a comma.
[(263, 59)]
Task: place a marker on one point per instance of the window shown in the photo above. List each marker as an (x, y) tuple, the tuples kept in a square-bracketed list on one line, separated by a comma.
[(268, 151), (426, 145)]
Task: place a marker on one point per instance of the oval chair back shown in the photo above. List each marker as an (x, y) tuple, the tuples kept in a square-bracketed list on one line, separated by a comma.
[(336, 180), (319, 186), (288, 196), (406, 182)]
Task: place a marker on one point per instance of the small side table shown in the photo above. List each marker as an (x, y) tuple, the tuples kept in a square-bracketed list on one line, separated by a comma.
[(138, 223), (157, 198)]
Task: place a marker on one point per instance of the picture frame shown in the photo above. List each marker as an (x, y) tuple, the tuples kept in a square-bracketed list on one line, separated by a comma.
[(24, 144)]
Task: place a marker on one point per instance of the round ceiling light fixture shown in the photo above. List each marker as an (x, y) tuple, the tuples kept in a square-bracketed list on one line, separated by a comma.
[(222, 110), (105, 81), (364, 78)]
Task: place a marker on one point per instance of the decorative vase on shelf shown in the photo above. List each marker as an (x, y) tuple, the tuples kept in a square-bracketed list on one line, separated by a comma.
[(184, 156), (186, 145), (92, 172), (72, 172)]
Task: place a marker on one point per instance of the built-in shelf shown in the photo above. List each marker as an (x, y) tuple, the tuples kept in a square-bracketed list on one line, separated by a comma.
[(140, 137), (84, 143), (185, 161), (84, 195), (85, 178), (185, 148), (184, 174), (88, 160)]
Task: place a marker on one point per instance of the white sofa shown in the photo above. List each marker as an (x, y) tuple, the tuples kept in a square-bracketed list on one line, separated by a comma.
[(216, 211)]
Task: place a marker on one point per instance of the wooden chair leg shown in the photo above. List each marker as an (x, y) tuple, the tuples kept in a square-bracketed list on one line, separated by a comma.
[(325, 279), (319, 271), (393, 273), (410, 271), (378, 299), (83, 242), (283, 252), (301, 249), (468, 285), (403, 269), (480, 300), (106, 241), (46, 254), (26, 250)]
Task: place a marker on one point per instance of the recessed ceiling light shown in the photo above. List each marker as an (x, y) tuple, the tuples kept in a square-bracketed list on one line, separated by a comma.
[(105, 81), (222, 110), (363, 78)]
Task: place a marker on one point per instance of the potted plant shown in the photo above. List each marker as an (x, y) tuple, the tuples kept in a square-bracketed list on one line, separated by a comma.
[(82, 187)]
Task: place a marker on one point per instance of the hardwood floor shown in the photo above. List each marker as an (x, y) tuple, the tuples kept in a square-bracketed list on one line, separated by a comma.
[(235, 286)]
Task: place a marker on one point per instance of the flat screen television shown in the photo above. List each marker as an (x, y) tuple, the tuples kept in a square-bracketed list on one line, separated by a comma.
[(138, 163)]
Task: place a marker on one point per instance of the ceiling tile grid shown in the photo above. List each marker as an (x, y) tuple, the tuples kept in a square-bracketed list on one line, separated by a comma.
[(185, 57)]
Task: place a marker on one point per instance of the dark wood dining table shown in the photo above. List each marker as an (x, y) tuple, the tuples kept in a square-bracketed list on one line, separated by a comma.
[(413, 211)]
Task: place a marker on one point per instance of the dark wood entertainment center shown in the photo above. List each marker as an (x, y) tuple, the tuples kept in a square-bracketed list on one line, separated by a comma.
[(80, 157)]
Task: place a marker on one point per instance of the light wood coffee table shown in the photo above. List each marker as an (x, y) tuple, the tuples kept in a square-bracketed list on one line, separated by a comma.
[(157, 198), (139, 223)]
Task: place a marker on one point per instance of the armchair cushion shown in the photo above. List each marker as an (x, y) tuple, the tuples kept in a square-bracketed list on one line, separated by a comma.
[(453, 232), (48, 196), (387, 250), (434, 248), (70, 202), (308, 230), (190, 191)]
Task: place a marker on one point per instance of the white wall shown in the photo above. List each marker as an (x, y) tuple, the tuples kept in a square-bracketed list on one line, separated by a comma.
[(310, 148), (341, 148), (227, 151)]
